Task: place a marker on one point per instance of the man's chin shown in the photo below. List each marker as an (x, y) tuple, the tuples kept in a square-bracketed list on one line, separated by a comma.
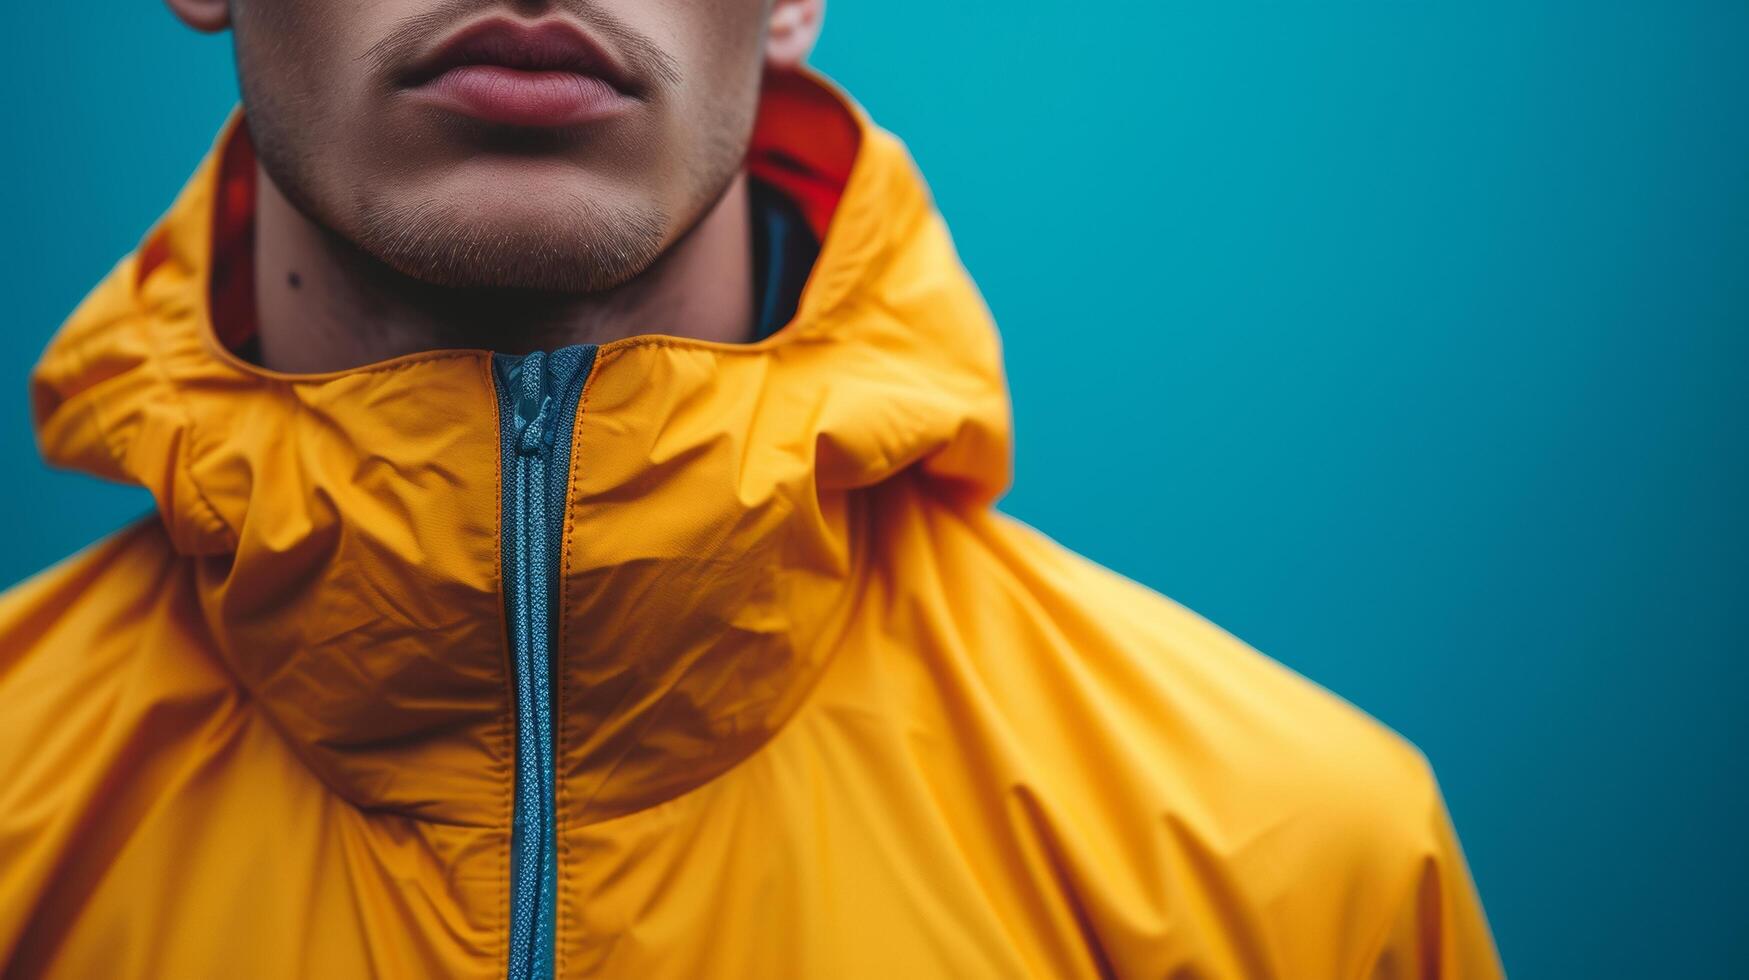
[(574, 247)]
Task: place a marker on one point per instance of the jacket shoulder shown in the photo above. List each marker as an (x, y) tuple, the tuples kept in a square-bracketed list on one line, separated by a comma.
[(1148, 670), (95, 592), (1183, 770), (83, 697)]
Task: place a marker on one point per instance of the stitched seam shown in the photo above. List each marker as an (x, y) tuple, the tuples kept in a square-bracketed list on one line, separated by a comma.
[(506, 745), (363, 372), (823, 328), (683, 343), (562, 707), (232, 362)]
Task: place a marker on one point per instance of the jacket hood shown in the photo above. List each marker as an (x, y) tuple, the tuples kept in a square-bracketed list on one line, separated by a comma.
[(342, 529)]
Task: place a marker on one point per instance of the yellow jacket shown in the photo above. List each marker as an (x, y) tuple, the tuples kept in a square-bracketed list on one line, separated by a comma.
[(812, 708)]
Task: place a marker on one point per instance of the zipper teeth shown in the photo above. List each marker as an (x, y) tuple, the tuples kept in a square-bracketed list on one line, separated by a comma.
[(538, 396), (526, 400), (539, 647), (530, 809)]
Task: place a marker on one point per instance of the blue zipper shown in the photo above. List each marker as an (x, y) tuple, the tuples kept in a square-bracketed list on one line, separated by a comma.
[(538, 396)]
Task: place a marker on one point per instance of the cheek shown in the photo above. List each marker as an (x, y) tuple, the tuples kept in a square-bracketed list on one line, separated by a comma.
[(701, 121), (723, 56), (719, 45), (737, 44), (310, 56)]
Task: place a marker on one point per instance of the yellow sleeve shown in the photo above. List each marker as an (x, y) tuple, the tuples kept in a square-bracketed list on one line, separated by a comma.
[(1439, 931)]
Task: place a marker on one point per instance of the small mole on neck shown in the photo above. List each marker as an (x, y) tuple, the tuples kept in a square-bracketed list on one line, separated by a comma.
[(294, 281)]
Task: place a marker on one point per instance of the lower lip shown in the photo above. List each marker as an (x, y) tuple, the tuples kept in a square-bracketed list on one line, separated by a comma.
[(543, 99)]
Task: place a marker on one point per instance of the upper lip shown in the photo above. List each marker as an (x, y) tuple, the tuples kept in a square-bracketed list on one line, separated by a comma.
[(548, 45)]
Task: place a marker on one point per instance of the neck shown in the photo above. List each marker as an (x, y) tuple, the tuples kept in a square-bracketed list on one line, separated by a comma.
[(323, 305)]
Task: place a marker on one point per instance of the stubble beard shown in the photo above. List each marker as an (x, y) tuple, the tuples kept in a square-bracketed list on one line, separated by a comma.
[(572, 244)]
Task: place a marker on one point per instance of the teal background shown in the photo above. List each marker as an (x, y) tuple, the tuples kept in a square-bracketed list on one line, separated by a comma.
[(1407, 341)]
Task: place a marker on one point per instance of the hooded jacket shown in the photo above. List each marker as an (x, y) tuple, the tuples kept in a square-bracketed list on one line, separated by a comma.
[(666, 658)]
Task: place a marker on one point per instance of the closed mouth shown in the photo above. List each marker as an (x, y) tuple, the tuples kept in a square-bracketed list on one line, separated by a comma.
[(552, 46), (547, 75)]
